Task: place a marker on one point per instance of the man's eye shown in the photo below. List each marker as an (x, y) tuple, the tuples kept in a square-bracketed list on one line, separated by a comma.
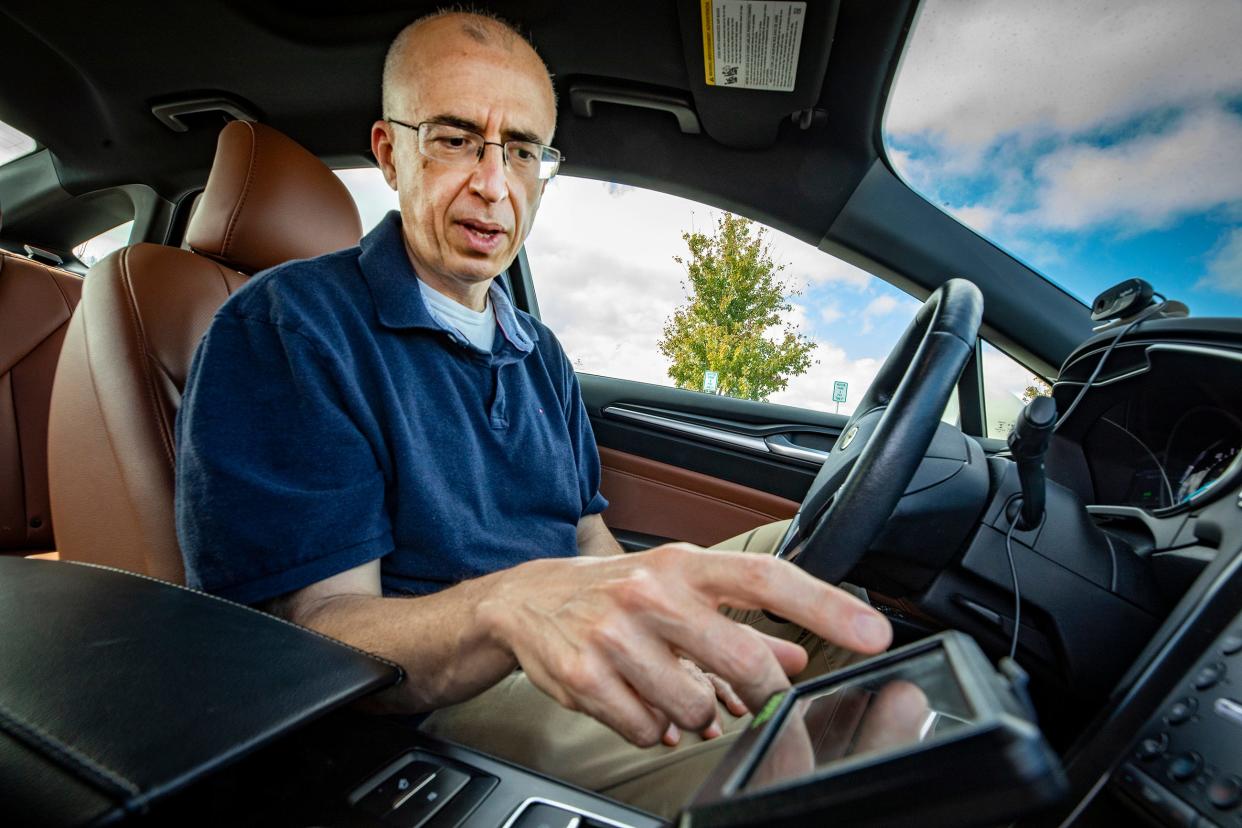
[(521, 154), (454, 142)]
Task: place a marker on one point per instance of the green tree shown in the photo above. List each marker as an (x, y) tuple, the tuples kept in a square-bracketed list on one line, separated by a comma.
[(733, 320), (1036, 388)]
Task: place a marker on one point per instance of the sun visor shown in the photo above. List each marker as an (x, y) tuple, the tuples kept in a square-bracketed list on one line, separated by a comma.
[(755, 63)]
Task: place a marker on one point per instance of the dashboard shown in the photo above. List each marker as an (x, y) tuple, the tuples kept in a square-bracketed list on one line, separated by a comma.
[(1161, 427)]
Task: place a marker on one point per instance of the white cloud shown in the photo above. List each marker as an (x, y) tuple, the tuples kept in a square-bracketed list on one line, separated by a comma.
[(1146, 182), (830, 313), (880, 306), (978, 217), (977, 67), (1224, 268), (814, 388)]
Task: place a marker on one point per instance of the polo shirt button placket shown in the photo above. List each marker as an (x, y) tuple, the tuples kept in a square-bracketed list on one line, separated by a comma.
[(497, 414)]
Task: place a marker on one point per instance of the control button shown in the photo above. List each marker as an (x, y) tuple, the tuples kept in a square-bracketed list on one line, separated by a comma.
[(1229, 709), (1166, 806), (1153, 746), (420, 805), (1185, 766), (388, 793), (1232, 643), (1225, 793), (540, 815), (1182, 710), (1209, 676)]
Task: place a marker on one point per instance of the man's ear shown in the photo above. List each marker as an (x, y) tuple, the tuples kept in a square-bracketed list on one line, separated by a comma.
[(382, 149)]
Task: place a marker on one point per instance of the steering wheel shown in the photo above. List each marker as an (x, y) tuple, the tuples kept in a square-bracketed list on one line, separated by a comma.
[(882, 444)]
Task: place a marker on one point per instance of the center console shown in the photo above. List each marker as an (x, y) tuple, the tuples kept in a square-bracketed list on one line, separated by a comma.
[(1185, 768)]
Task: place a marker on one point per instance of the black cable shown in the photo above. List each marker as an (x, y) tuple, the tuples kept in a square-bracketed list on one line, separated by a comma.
[(1013, 571), (1151, 311)]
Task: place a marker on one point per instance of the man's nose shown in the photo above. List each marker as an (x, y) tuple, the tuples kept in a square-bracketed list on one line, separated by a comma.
[(488, 179)]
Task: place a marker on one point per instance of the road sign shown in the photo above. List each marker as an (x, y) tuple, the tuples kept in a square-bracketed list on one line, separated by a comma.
[(839, 390), (711, 379)]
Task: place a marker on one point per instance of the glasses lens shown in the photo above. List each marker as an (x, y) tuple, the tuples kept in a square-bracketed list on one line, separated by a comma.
[(449, 143), (532, 161)]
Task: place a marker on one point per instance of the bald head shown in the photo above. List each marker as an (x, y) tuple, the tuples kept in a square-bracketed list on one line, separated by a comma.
[(437, 36)]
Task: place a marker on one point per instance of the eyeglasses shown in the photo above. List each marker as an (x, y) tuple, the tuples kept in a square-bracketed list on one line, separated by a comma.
[(464, 147)]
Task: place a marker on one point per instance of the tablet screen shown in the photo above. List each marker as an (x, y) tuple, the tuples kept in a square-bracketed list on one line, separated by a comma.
[(870, 715)]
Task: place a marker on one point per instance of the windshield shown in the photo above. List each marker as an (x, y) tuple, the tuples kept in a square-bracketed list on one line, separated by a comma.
[(1095, 141)]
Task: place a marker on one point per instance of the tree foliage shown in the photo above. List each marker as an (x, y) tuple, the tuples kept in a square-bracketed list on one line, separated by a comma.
[(733, 321), (1036, 388)]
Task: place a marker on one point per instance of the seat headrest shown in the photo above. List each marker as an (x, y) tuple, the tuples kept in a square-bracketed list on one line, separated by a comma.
[(267, 201)]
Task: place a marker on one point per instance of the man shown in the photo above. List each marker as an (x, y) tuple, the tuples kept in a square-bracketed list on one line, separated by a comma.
[(406, 463)]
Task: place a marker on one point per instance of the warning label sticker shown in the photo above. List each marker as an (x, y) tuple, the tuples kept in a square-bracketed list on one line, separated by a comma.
[(752, 44)]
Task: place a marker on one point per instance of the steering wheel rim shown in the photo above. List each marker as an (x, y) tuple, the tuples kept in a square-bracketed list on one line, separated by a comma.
[(885, 439)]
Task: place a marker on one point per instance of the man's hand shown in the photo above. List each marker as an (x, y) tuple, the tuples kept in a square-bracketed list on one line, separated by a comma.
[(605, 635), (724, 693)]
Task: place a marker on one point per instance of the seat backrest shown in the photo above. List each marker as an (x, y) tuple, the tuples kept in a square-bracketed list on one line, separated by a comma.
[(35, 304), (129, 345)]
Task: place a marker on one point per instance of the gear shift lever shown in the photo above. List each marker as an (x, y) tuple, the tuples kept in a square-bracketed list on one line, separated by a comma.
[(1028, 442)]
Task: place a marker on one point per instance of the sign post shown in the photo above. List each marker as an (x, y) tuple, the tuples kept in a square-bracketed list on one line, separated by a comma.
[(839, 391), (711, 380)]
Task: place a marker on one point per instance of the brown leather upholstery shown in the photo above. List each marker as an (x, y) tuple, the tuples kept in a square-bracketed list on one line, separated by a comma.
[(671, 502), (35, 304), (267, 201), (129, 346)]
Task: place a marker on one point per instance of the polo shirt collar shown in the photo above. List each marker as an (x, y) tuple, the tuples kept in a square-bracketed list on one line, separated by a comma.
[(398, 301)]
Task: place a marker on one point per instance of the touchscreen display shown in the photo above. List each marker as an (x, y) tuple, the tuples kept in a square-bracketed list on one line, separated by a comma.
[(875, 713)]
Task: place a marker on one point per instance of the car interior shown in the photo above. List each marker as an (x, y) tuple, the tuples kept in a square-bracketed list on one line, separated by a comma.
[(1042, 565)]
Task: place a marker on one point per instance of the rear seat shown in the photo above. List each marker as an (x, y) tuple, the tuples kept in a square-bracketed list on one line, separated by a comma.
[(35, 304)]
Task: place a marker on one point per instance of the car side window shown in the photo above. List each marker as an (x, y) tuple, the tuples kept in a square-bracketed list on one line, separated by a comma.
[(371, 194), (96, 247), (1008, 385), (14, 144), (640, 285)]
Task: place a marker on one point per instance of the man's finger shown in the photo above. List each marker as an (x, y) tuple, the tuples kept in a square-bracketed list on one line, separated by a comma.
[(747, 581), (792, 657), (663, 680), (602, 695), (735, 652), (725, 692)]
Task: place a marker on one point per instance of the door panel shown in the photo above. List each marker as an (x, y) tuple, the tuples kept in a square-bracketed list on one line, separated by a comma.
[(665, 502), (684, 465)]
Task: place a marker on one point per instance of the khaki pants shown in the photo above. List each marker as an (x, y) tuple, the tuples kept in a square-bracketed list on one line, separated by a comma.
[(516, 721)]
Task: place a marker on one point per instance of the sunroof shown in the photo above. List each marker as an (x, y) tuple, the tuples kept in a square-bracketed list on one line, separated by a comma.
[(13, 144), (1094, 141)]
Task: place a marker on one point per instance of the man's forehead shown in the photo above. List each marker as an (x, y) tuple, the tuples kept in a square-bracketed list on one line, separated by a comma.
[(447, 72)]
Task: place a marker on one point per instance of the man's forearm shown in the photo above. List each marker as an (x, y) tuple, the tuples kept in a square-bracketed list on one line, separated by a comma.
[(447, 652), (595, 539)]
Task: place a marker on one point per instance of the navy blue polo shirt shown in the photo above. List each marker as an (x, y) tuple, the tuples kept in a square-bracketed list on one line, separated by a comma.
[(329, 420)]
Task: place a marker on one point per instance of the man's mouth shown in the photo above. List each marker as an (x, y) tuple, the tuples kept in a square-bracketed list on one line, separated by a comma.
[(482, 236)]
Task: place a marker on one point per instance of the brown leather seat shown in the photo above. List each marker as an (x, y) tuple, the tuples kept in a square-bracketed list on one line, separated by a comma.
[(128, 350), (35, 304)]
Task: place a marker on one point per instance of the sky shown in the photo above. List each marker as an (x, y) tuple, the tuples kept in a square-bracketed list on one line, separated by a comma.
[(1102, 142)]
